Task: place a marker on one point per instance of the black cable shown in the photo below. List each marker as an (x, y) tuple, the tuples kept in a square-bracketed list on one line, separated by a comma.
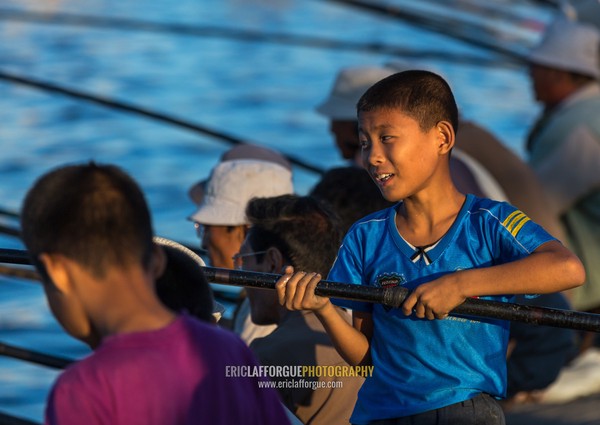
[(55, 362), (489, 10), (6, 419), (9, 213), (127, 24), (10, 231), (157, 116), (442, 26)]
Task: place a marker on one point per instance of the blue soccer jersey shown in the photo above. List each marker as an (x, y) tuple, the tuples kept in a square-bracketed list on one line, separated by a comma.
[(421, 364)]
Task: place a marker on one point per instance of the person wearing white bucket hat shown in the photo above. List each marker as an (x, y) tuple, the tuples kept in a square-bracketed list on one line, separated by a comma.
[(221, 220), (563, 148), (242, 151), (222, 210), (340, 106), (564, 144), (234, 183)]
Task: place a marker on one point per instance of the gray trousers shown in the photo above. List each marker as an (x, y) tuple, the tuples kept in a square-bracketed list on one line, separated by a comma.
[(480, 410)]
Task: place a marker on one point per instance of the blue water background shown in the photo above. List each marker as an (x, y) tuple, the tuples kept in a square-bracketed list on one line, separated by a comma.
[(259, 92)]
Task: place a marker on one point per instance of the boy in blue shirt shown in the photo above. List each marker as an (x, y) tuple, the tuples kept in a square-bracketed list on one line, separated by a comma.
[(443, 246)]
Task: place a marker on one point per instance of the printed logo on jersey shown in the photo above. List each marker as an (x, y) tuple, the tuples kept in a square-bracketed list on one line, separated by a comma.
[(515, 221), (389, 280)]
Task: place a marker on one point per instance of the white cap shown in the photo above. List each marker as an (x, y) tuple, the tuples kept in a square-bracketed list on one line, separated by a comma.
[(569, 46), (235, 182), (350, 84), (243, 151)]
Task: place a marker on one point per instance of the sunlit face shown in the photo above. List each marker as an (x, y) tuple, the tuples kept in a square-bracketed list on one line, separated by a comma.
[(221, 243), (346, 138), (264, 305), (398, 155)]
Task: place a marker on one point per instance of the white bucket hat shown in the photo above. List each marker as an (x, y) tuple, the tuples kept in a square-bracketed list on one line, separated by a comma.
[(233, 183), (243, 151), (183, 261), (569, 46), (350, 84)]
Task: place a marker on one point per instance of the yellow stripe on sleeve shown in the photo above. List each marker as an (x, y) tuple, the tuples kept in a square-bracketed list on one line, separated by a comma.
[(524, 220), (512, 219), (505, 222)]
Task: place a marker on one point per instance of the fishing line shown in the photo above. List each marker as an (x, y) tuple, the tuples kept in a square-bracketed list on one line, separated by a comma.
[(490, 10), (16, 232), (441, 25), (6, 419), (10, 231), (157, 116), (32, 356), (126, 24), (391, 297), (9, 213)]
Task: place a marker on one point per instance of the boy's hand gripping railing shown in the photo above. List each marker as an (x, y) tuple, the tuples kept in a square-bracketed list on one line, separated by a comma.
[(394, 297)]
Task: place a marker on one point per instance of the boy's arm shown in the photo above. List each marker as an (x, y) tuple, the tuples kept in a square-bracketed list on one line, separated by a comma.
[(550, 268), (297, 292)]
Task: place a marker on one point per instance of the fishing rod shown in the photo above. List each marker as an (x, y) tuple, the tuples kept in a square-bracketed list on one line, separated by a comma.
[(158, 116), (6, 419), (390, 297), (32, 275), (394, 297), (490, 10), (10, 230), (550, 3), (36, 357), (9, 213), (20, 273), (440, 25), (62, 19), (16, 232)]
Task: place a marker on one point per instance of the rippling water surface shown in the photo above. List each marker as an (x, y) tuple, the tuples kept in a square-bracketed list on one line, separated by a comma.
[(264, 92)]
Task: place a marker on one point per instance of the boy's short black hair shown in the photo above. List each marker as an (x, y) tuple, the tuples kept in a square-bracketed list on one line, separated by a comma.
[(422, 95), (93, 214), (303, 229)]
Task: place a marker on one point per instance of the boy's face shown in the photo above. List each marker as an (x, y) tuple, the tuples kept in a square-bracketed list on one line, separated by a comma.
[(221, 243), (401, 158), (264, 304)]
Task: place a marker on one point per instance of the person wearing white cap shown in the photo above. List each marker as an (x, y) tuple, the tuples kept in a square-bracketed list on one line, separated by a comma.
[(245, 172), (220, 217), (241, 151), (564, 150), (564, 144)]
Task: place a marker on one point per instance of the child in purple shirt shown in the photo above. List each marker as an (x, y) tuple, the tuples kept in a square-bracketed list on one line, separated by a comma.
[(88, 231)]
